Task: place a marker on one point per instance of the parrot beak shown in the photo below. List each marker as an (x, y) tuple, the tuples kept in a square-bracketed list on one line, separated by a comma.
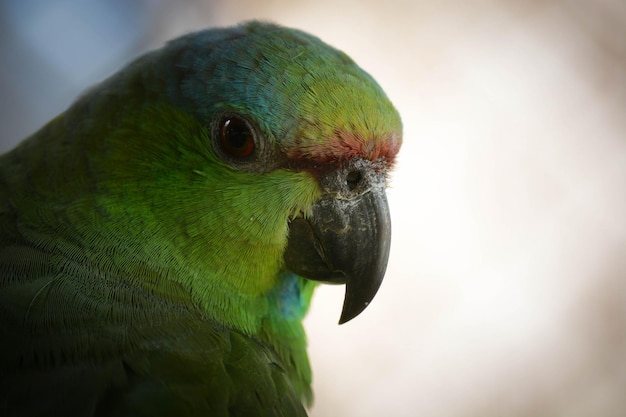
[(346, 238)]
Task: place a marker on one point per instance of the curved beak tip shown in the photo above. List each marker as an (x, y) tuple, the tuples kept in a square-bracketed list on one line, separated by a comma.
[(349, 314), (361, 289)]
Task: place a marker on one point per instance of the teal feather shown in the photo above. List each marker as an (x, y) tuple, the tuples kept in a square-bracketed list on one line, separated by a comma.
[(140, 273)]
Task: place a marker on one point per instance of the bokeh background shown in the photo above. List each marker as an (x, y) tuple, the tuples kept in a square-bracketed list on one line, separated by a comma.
[(506, 288)]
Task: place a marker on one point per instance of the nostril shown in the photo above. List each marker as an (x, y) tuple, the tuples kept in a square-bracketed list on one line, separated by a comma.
[(352, 179)]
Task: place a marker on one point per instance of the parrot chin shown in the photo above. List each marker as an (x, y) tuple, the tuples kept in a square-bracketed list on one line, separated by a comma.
[(346, 239)]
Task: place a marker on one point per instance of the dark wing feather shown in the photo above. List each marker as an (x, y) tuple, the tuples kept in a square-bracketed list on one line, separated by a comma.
[(77, 340)]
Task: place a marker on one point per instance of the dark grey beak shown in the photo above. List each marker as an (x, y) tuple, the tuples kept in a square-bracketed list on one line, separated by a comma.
[(346, 238)]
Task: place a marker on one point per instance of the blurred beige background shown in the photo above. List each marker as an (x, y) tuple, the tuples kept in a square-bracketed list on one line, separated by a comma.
[(506, 288)]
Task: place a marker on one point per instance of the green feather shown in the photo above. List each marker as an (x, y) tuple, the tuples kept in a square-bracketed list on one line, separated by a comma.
[(141, 271)]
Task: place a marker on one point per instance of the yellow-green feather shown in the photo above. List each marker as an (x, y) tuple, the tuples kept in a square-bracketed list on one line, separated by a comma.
[(138, 267)]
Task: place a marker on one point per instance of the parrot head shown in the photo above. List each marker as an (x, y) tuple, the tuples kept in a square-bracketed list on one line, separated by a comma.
[(309, 130), (226, 160)]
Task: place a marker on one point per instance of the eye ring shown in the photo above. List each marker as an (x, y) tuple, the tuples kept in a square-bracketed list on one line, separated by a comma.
[(236, 137), (238, 140)]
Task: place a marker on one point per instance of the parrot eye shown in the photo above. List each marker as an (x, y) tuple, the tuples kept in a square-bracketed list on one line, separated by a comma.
[(235, 137), (240, 143)]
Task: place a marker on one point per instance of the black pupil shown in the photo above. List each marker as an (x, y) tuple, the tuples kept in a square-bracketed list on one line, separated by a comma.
[(237, 133)]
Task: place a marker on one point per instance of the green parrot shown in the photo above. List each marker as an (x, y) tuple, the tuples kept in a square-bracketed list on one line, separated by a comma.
[(161, 239)]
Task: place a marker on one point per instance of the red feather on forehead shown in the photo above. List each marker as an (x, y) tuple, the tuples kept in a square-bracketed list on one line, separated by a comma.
[(342, 147)]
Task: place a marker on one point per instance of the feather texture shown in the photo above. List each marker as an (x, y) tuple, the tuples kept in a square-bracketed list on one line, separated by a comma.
[(141, 269)]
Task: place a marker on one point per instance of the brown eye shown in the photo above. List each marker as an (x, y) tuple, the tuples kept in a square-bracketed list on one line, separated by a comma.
[(236, 138)]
